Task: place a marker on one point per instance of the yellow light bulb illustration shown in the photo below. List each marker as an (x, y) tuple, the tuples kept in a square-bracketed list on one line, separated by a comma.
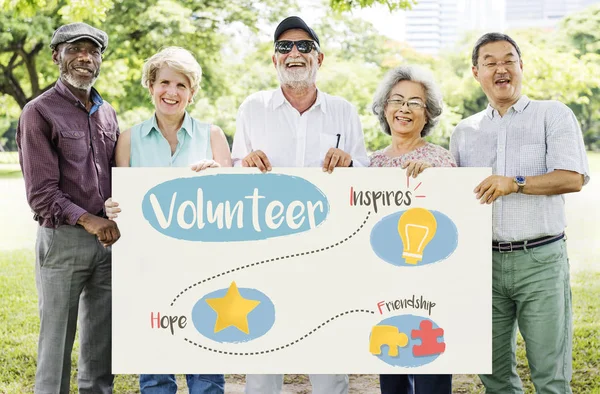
[(416, 227)]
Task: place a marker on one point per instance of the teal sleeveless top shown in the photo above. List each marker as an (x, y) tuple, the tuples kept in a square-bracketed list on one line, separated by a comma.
[(149, 148)]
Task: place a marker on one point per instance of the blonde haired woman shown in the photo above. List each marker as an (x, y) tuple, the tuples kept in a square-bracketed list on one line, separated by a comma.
[(172, 138), (172, 77)]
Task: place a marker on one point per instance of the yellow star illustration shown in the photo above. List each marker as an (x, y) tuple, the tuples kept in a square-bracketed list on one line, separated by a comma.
[(232, 310)]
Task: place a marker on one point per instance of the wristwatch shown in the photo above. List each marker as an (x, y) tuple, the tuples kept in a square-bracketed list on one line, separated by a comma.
[(521, 182)]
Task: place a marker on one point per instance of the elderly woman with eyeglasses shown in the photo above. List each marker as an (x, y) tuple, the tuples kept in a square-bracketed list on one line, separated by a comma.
[(408, 105)]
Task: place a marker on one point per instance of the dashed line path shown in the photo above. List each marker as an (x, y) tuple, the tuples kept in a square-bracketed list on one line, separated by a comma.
[(273, 259), (282, 346)]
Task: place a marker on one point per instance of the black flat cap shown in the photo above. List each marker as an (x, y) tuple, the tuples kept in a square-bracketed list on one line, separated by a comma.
[(294, 22), (77, 31)]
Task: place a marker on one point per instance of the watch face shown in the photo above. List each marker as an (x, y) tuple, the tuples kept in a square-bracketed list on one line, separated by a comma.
[(520, 180)]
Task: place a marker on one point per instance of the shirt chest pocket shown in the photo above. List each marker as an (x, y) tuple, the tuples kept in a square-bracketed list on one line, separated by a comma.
[(109, 139), (532, 159), (328, 141), (110, 135), (73, 145)]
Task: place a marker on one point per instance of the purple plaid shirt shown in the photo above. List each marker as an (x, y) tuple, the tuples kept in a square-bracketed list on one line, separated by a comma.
[(66, 154)]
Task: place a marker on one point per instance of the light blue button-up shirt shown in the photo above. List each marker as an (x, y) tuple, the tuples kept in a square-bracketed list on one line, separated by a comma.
[(149, 148), (532, 138)]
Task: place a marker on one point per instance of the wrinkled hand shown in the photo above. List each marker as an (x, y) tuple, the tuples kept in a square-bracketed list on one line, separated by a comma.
[(203, 165), (336, 158), (415, 167), (493, 187), (112, 209), (257, 159), (106, 230)]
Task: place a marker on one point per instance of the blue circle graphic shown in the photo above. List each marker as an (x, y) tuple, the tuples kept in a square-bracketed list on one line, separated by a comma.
[(387, 244), (260, 319), (406, 324)]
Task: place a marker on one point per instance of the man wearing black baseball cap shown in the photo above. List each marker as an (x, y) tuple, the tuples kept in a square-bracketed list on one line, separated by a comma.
[(66, 139), (294, 22), (297, 125)]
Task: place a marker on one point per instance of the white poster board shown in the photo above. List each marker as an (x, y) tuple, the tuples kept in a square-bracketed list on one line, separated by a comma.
[(300, 271)]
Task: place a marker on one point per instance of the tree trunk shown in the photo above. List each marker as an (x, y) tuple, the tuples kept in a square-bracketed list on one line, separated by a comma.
[(12, 87)]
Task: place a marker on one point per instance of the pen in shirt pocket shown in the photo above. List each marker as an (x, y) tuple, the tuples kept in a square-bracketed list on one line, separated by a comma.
[(337, 144)]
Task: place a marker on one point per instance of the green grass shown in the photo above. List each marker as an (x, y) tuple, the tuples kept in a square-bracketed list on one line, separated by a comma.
[(20, 325), (9, 165), (18, 334), (18, 313), (9, 158), (586, 303), (10, 171)]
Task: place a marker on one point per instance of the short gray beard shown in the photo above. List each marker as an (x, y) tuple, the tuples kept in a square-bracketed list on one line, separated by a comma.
[(297, 81), (77, 84)]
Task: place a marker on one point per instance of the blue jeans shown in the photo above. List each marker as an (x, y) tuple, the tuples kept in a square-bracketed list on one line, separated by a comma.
[(197, 384), (415, 384)]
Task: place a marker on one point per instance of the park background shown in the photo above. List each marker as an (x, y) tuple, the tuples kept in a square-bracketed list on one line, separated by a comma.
[(233, 43)]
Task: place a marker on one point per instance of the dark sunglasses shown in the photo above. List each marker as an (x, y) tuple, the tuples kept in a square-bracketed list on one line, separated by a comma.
[(304, 46)]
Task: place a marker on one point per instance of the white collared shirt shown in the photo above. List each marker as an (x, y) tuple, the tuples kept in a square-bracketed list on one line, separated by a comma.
[(266, 121), (532, 138)]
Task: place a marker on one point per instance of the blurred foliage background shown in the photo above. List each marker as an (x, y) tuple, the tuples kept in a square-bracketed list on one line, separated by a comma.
[(233, 43)]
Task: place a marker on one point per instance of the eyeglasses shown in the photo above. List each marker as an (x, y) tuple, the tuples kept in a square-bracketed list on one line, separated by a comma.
[(411, 104), (493, 65), (304, 46)]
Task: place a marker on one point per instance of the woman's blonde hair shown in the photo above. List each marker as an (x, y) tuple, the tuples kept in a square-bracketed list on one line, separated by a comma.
[(180, 60)]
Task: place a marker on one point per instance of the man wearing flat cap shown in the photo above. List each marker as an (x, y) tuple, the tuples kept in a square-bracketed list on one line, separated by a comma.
[(66, 139), (297, 125)]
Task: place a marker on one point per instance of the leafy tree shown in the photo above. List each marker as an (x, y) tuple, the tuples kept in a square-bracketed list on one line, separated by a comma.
[(556, 70), (553, 69), (347, 5), (353, 51), (136, 30), (462, 92), (563, 65), (20, 44), (356, 59), (582, 30)]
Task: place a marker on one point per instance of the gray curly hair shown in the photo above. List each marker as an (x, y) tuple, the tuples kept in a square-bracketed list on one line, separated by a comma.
[(433, 99)]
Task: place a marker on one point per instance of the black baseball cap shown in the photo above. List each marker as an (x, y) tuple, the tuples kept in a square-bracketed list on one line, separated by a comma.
[(294, 22)]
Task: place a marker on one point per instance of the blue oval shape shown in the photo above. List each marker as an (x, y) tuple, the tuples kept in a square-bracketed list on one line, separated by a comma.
[(234, 207), (409, 324), (387, 244), (260, 319)]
